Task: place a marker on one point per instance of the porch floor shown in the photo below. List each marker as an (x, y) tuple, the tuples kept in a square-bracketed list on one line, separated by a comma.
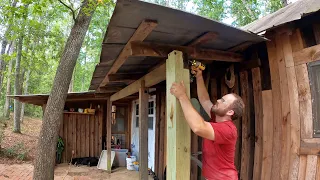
[(66, 172)]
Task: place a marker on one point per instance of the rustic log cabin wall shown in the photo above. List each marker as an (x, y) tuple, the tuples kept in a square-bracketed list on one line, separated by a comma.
[(293, 138)]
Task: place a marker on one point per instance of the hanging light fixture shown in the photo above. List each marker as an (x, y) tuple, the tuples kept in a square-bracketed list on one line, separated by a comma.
[(113, 111)]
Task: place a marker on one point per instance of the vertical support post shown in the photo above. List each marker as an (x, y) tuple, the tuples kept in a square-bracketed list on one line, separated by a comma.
[(44, 108), (178, 131), (108, 124), (143, 131)]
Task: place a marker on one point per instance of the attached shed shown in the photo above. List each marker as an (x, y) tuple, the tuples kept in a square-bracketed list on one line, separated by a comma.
[(291, 147)]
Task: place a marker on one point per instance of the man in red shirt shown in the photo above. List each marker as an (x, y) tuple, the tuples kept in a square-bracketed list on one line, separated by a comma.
[(220, 135)]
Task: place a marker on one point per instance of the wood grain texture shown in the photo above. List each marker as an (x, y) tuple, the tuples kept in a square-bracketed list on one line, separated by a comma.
[(311, 168), (267, 135), (318, 169), (244, 173), (304, 101), (277, 113), (257, 94), (143, 131), (108, 138), (307, 55), (178, 131), (302, 167)]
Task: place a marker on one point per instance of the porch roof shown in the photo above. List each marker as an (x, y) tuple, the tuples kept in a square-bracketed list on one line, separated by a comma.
[(174, 27)]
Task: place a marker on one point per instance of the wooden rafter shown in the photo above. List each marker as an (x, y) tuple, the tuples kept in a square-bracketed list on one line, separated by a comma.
[(209, 36), (124, 77), (144, 29), (152, 78), (162, 50)]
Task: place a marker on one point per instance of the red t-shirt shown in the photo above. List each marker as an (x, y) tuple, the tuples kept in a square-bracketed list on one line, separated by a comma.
[(218, 155)]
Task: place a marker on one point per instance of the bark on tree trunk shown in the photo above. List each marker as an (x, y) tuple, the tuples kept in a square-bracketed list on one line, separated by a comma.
[(71, 83), (8, 91), (2, 62), (25, 92), (45, 159), (17, 104)]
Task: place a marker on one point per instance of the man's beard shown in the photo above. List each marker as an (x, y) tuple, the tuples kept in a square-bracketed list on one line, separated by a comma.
[(219, 112)]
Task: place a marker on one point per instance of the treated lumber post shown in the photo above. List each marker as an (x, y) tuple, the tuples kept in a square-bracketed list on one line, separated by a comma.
[(143, 131), (109, 115), (178, 131)]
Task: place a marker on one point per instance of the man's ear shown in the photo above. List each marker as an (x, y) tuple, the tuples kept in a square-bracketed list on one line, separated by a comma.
[(230, 113)]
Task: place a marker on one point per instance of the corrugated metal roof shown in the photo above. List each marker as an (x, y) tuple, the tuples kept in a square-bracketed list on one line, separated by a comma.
[(292, 12), (174, 27)]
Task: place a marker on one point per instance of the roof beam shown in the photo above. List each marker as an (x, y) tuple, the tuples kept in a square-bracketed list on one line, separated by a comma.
[(209, 36), (142, 32), (152, 78), (162, 50)]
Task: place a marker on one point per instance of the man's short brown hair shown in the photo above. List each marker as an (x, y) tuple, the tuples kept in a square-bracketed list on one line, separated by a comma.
[(237, 106)]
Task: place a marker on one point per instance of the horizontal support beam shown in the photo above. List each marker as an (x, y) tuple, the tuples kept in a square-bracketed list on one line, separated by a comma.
[(162, 50), (152, 78), (307, 55)]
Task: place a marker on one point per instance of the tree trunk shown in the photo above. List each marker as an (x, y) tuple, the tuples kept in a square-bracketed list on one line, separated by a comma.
[(25, 92), (284, 3), (71, 83), (17, 88), (8, 91), (83, 76), (45, 159)]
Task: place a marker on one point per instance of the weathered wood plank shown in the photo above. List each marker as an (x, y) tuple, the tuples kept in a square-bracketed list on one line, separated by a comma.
[(238, 123), (267, 136), (293, 122), (179, 134), (74, 136), (70, 137), (97, 135), (318, 169), (100, 129), (296, 41), (214, 92), (277, 113), (162, 50), (305, 101), (307, 55), (152, 78), (108, 128), (257, 94), (285, 108), (78, 150), (311, 168), (244, 82), (92, 154), (66, 122), (302, 167), (224, 88), (88, 136), (143, 131), (163, 137), (142, 32), (83, 136)]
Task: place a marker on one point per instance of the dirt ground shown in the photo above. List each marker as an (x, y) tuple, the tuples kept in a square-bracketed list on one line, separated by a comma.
[(27, 140)]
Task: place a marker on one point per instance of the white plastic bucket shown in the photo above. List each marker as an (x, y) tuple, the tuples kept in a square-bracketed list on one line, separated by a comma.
[(130, 165)]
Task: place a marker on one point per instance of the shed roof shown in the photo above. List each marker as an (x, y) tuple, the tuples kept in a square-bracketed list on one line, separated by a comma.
[(174, 27), (291, 12), (40, 99)]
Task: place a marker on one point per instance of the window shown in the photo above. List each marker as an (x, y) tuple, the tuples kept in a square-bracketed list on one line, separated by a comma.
[(314, 77), (151, 114)]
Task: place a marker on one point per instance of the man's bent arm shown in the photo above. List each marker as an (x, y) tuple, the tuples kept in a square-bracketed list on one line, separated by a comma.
[(203, 95), (195, 121)]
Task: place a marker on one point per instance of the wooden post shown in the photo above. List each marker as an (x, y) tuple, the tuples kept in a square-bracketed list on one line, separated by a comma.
[(143, 131), (109, 115), (178, 131)]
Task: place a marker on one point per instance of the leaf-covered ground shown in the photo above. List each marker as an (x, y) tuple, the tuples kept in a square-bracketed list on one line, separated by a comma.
[(19, 146)]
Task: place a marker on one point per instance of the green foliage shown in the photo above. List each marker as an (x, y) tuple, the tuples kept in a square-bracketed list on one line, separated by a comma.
[(213, 9)]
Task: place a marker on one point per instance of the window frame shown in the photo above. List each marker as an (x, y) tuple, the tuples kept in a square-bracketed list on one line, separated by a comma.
[(315, 104), (136, 112)]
